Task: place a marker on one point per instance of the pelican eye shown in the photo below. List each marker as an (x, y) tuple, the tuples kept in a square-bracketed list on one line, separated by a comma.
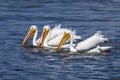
[(32, 28)]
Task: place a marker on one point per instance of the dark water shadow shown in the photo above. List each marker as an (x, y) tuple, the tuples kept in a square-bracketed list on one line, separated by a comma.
[(62, 53)]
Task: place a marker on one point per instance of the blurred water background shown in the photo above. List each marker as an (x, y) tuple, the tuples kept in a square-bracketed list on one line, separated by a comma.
[(85, 16)]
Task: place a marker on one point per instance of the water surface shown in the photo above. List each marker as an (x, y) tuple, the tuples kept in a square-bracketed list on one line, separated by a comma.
[(85, 16)]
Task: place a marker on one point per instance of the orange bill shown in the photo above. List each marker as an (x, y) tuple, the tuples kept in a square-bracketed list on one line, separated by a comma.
[(66, 36), (43, 37), (29, 34)]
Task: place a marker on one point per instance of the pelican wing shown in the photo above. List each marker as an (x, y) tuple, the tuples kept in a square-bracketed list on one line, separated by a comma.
[(91, 42)]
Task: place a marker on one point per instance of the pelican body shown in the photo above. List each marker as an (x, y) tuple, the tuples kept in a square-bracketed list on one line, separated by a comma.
[(90, 44), (52, 37)]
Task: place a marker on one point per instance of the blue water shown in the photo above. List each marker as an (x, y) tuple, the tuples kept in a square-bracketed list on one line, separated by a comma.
[(85, 16)]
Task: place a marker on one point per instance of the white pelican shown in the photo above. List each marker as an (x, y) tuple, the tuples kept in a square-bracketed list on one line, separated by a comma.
[(33, 31), (89, 44), (51, 38)]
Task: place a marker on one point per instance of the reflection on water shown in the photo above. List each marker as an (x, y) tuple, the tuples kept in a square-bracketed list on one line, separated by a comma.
[(84, 16), (31, 48), (65, 53)]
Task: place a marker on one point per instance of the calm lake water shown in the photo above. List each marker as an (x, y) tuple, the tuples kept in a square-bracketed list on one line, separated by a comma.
[(85, 16)]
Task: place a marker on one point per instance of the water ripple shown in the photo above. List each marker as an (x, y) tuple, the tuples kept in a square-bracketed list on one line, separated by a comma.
[(85, 16)]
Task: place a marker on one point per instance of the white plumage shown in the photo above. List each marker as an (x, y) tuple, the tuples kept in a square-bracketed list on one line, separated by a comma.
[(54, 36), (90, 45), (91, 42), (59, 37)]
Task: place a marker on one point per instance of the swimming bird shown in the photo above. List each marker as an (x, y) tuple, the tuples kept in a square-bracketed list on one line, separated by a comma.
[(51, 37), (86, 45), (33, 31)]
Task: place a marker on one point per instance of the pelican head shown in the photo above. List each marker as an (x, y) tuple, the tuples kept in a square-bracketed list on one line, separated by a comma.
[(65, 37), (31, 32), (45, 32)]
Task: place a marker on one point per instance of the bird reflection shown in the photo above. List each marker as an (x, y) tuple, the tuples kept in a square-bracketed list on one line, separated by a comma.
[(31, 48)]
